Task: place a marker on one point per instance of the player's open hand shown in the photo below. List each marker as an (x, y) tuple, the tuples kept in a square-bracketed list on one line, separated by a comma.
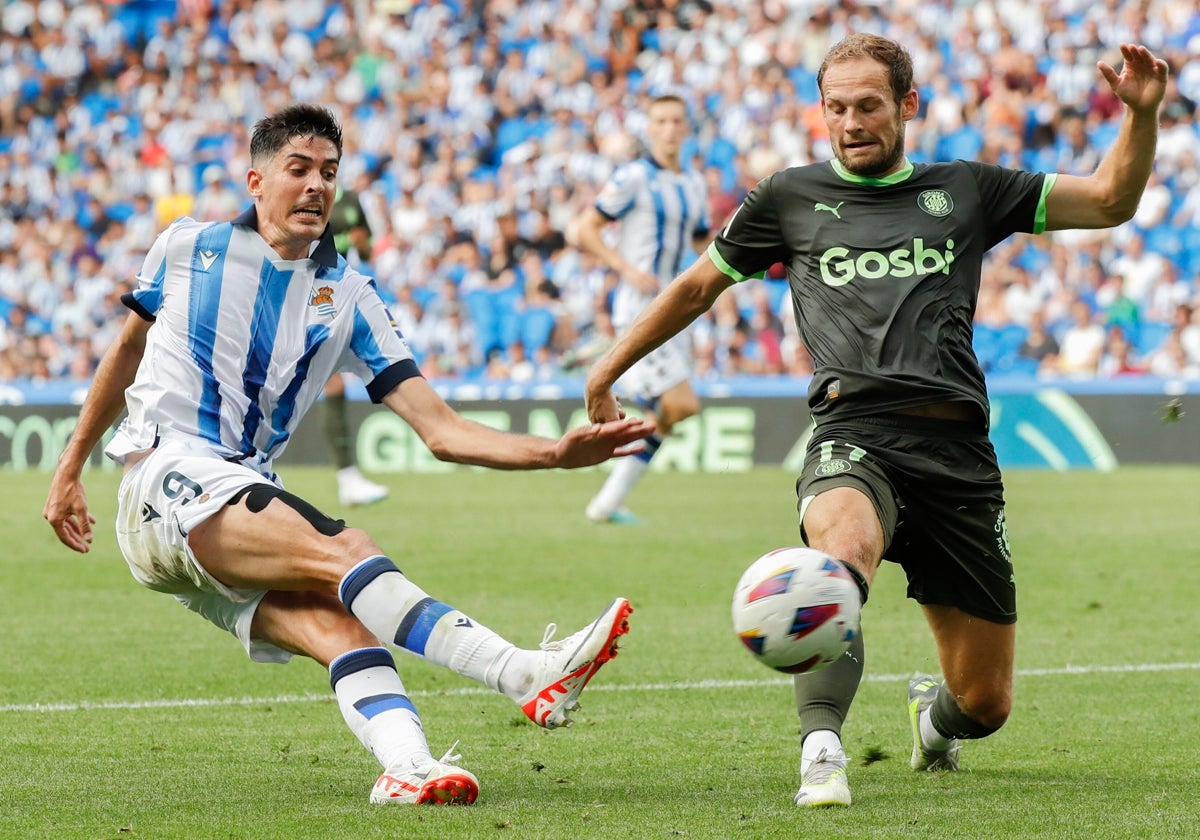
[(67, 512), (1142, 82), (589, 445)]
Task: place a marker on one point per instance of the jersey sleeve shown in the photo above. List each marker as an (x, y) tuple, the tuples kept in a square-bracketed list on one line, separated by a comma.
[(380, 355), (1015, 200), (619, 194), (752, 240), (146, 298)]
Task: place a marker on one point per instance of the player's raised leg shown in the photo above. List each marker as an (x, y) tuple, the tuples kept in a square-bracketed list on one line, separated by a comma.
[(310, 555), (975, 698)]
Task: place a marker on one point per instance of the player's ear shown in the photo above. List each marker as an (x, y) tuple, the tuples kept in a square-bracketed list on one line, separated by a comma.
[(909, 105), (254, 180)]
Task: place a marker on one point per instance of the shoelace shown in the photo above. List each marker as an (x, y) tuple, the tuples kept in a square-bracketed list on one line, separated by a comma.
[(547, 644), (450, 757), (824, 766)]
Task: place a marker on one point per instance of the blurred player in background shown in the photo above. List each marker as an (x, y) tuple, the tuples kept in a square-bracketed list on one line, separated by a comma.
[(235, 328), (884, 260), (352, 239), (662, 216)]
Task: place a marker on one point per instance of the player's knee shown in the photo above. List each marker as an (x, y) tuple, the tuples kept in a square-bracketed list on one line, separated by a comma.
[(681, 409), (991, 710), (355, 544), (313, 624), (976, 713)]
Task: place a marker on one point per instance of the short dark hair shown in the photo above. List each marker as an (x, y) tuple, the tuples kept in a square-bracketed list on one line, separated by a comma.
[(887, 52), (273, 132), (669, 98)]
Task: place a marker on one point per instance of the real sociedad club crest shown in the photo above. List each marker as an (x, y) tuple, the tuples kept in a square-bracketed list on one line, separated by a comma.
[(322, 299)]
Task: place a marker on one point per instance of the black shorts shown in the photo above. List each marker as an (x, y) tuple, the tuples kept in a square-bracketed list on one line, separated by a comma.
[(937, 488)]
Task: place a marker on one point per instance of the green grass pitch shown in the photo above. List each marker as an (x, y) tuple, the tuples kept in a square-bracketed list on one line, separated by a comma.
[(124, 716)]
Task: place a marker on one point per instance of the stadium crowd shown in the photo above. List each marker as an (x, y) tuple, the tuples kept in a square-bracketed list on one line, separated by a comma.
[(477, 131)]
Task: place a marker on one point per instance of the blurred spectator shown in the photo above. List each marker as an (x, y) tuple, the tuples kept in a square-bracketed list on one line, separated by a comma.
[(468, 122), (1040, 347), (1170, 359), (1117, 357), (216, 202), (1081, 343)]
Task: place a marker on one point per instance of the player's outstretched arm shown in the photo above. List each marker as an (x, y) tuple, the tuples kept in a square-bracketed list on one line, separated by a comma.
[(66, 506), (681, 302), (588, 232), (452, 437), (1110, 195)]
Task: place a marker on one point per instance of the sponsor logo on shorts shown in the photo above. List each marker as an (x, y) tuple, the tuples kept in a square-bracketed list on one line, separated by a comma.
[(833, 467), (1001, 530)]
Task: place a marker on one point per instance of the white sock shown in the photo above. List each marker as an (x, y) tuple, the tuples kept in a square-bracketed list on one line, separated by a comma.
[(814, 742), (401, 613), (625, 474), (931, 739), (375, 707)]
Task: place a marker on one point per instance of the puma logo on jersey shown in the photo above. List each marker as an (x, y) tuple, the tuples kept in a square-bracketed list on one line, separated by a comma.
[(819, 206), (207, 258)]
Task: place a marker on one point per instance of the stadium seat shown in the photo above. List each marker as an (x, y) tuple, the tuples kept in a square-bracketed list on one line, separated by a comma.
[(1151, 336), (963, 144), (507, 310), (479, 310), (986, 343), (537, 325), (1019, 366)]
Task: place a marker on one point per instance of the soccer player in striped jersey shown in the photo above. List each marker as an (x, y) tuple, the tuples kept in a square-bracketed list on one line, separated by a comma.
[(884, 260), (235, 328), (662, 215)]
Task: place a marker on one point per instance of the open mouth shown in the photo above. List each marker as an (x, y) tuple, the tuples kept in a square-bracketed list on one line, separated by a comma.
[(311, 211)]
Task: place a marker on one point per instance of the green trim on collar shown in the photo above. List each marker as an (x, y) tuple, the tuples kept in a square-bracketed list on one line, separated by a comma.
[(902, 174)]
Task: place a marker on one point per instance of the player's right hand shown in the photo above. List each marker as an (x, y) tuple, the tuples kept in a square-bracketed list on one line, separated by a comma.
[(67, 512)]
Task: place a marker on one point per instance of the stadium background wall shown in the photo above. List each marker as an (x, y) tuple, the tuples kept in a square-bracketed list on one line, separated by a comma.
[(1036, 427)]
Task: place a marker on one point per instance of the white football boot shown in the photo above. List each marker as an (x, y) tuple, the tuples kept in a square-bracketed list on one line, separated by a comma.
[(436, 783), (568, 664)]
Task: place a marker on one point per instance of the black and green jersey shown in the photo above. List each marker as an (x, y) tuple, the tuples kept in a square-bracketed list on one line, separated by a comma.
[(884, 273), (347, 214)]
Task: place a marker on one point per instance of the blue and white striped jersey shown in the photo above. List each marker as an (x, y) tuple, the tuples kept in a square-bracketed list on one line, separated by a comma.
[(244, 341), (660, 212)]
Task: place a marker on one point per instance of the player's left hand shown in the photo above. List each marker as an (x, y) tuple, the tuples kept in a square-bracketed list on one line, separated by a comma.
[(66, 510), (1142, 82), (586, 446)]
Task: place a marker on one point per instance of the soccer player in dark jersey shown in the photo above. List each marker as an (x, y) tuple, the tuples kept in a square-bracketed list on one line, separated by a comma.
[(884, 260), (352, 239)]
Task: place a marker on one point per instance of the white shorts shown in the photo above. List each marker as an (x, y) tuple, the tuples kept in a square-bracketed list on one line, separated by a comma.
[(658, 371), (161, 498)]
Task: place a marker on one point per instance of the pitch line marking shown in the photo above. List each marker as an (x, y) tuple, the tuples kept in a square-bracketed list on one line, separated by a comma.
[(89, 706)]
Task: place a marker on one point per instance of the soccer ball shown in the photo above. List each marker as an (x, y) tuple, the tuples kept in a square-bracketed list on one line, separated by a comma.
[(796, 609)]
